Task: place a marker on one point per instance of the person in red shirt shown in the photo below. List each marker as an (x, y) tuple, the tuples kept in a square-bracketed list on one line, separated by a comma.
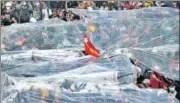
[(156, 81)]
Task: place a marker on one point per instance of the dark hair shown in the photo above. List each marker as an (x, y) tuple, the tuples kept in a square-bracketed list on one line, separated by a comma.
[(6, 22), (76, 17), (18, 2)]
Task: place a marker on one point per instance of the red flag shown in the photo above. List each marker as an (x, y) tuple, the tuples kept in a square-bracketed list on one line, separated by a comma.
[(90, 48)]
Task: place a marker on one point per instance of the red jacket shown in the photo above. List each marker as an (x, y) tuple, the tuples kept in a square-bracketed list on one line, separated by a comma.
[(154, 83), (160, 83)]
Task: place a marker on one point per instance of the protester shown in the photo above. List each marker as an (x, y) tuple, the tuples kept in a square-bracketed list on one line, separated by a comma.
[(21, 12), (5, 21), (54, 14), (99, 4), (148, 4), (127, 6), (45, 11), (112, 5)]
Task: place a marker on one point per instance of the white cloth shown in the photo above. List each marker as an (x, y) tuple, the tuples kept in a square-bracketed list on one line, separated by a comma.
[(45, 13), (32, 19)]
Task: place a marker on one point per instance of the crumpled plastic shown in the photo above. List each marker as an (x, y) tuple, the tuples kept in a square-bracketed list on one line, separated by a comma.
[(155, 12), (37, 92), (52, 34), (43, 61)]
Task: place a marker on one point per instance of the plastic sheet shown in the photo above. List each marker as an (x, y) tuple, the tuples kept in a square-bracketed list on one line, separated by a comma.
[(61, 61), (59, 72), (129, 94), (50, 34), (154, 12), (152, 41), (30, 90)]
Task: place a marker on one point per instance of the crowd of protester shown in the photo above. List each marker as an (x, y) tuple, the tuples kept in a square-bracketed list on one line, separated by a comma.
[(32, 11)]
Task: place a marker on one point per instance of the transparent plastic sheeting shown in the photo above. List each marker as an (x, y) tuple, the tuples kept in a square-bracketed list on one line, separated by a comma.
[(32, 91), (154, 12), (66, 70), (129, 31), (59, 72), (51, 34), (156, 40), (153, 42), (166, 63), (67, 63)]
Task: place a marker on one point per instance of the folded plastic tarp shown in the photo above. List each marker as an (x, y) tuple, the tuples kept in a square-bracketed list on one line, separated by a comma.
[(28, 92), (64, 69), (89, 79), (65, 62)]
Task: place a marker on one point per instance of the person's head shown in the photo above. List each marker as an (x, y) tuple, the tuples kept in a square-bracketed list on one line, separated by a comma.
[(70, 12), (76, 17), (61, 13), (81, 5), (44, 4), (71, 16), (8, 5), (150, 73), (19, 2), (54, 12), (174, 3), (104, 4), (6, 22)]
